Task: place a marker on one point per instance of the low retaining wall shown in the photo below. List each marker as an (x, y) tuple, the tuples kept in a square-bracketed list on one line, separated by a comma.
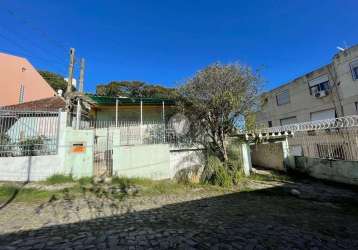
[(29, 168), (269, 155), (185, 158), (74, 157), (333, 170), (147, 161)]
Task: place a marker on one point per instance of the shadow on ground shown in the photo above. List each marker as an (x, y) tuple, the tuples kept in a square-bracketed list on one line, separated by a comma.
[(264, 219)]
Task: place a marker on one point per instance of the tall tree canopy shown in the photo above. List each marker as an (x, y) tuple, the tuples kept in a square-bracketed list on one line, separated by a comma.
[(56, 81), (134, 89), (215, 99)]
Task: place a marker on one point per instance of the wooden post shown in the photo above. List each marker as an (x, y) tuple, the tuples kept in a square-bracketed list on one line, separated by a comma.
[(82, 72), (70, 71)]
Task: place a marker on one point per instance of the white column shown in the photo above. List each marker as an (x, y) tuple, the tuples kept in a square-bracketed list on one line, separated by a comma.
[(288, 161), (163, 112), (141, 121), (246, 158), (163, 119), (78, 114), (116, 112)]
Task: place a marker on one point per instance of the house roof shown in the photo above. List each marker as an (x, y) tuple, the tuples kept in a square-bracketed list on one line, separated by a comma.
[(51, 103), (107, 100)]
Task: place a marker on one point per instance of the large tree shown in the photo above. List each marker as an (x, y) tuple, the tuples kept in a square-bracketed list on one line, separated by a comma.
[(55, 80), (134, 89), (215, 99)]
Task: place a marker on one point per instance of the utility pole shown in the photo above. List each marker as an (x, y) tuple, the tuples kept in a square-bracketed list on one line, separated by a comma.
[(70, 71), (80, 90), (82, 71)]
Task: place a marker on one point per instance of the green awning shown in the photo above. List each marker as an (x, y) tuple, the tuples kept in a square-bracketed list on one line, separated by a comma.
[(107, 100)]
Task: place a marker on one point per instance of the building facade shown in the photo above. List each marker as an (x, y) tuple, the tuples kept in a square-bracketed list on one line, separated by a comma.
[(328, 92), (20, 82)]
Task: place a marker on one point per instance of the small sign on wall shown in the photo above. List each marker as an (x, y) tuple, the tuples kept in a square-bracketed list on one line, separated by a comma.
[(78, 148)]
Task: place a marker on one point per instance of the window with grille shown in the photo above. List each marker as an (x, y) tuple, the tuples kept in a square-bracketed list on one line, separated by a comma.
[(331, 151), (283, 98), (319, 84)]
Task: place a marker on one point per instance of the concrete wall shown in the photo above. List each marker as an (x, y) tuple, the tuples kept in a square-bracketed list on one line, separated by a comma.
[(333, 170), (185, 158), (268, 155), (67, 161), (30, 168), (147, 161), (79, 161)]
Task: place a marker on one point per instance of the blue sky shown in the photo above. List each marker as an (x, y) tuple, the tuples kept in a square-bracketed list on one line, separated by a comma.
[(165, 42)]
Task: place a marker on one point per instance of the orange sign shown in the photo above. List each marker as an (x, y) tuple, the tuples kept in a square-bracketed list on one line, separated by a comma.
[(78, 149)]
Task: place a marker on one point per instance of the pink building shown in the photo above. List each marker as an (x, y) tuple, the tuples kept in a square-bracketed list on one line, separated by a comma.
[(20, 82)]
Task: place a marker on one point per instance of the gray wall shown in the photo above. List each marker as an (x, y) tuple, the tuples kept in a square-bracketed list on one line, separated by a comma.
[(269, 155), (333, 170)]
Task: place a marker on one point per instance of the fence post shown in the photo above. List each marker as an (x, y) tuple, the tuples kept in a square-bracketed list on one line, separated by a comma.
[(61, 139), (246, 158), (141, 122), (78, 114), (288, 160)]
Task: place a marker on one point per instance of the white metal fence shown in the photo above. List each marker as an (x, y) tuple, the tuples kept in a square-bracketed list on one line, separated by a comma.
[(340, 143), (28, 132), (330, 139), (135, 132)]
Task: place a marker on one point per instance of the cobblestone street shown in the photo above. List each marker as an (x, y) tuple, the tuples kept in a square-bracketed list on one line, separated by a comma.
[(266, 218)]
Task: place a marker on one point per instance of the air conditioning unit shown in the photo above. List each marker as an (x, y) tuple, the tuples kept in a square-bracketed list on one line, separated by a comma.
[(321, 94)]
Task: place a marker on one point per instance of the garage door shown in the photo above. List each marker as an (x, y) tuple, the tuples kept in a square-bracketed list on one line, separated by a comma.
[(323, 115)]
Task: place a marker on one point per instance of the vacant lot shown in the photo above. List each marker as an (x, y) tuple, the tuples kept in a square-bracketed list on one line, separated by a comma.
[(260, 213)]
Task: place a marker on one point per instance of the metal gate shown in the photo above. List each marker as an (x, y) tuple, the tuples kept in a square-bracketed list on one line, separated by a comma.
[(103, 152)]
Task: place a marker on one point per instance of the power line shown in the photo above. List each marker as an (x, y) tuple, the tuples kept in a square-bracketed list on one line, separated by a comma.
[(42, 33), (24, 49), (60, 60)]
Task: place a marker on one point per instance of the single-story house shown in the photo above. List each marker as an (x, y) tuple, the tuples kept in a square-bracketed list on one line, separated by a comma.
[(107, 109), (124, 109)]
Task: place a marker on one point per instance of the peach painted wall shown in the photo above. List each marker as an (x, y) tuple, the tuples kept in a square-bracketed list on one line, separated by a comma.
[(15, 71)]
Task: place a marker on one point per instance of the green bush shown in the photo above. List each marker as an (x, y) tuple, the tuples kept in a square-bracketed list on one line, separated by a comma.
[(58, 179), (123, 182), (227, 173), (31, 146), (216, 173), (5, 145), (85, 180)]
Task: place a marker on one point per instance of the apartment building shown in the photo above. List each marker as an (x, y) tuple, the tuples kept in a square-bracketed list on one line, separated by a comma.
[(328, 92)]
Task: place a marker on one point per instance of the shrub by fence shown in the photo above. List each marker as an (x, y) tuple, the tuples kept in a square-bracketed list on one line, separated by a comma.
[(28, 132)]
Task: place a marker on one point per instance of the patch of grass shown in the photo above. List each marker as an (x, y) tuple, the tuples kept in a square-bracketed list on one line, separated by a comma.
[(85, 181), (6, 191), (153, 187), (59, 179), (33, 195), (23, 194), (273, 176)]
